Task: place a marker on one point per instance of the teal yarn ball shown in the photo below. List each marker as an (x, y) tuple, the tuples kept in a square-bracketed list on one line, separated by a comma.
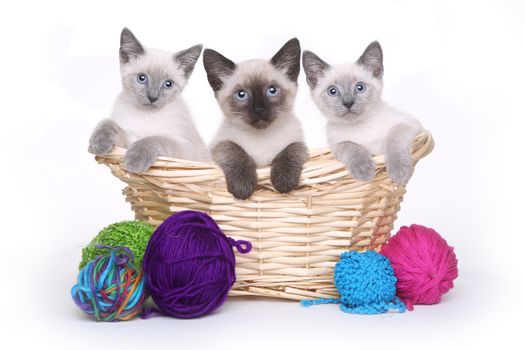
[(366, 284)]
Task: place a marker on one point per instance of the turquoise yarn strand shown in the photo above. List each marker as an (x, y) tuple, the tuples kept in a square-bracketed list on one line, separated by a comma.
[(366, 284), (110, 287)]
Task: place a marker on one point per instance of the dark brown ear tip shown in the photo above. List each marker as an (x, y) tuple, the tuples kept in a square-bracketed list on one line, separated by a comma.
[(293, 42), (209, 52), (197, 48), (376, 45), (126, 32), (127, 35), (308, 54)]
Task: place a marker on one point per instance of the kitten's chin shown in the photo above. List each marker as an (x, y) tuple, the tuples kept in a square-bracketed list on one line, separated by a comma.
[(349, 117), (261, 124), (244, 123), (150, 106)]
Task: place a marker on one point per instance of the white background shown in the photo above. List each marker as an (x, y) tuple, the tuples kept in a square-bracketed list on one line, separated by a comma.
[(457, 65)]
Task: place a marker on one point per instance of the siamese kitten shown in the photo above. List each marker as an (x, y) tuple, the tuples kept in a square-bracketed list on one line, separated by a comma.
[(149, 116), (259, 127), (360, 123)]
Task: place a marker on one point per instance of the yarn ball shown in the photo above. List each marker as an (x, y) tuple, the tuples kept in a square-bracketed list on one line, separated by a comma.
[(366, 284), (189, 265), (424, 264), (132, 234), (110, 287)]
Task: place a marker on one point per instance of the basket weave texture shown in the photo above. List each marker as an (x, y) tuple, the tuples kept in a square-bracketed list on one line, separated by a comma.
[(297, 237)]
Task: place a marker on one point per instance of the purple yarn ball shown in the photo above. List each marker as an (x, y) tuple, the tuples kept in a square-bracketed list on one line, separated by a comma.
[(189, 265)]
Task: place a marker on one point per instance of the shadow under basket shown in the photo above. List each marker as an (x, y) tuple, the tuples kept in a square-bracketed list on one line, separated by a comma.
[(297, 237)]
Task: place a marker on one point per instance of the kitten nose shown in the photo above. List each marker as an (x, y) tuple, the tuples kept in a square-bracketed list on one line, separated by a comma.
[(348, 104), (152, 98), (258, 110)]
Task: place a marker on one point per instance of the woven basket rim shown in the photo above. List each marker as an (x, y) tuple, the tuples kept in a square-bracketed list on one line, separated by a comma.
[(321, 167), (425, 138)]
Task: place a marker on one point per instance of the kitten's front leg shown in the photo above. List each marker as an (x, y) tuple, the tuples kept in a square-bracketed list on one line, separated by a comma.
[(143, 153), (357, 159), (398, 157), (106, 135), (239, 168), (287, 167)]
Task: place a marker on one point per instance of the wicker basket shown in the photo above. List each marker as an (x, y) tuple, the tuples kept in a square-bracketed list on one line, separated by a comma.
[(297, 237)]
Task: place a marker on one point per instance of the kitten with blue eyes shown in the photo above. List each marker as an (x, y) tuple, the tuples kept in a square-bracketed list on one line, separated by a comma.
[(259, 127), (149, 117), (360, 124)]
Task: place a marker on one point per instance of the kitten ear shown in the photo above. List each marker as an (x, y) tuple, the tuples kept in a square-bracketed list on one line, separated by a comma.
[(130, 47), (288, 58), (372, 59), (187, 59), (314, 68), (217, 68)]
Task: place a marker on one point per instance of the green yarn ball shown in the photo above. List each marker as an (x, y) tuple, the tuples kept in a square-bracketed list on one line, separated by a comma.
[(132, 234)]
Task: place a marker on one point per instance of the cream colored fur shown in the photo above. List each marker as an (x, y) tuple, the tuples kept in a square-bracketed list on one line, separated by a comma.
[(360, 124), (173, 120), (261, 144), (371, 127), (372, 131)]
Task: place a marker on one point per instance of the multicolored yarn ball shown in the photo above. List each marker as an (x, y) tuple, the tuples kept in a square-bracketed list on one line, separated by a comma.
[(424, 264), (110, 287), (189, 265), (366, 284), (132, 234)]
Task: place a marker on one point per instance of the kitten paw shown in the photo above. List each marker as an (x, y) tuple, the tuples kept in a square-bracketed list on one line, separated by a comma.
[(139, 158), (361, 166), (399, 169), (242, 185), (101, 142), (287, 167), (285, 178)]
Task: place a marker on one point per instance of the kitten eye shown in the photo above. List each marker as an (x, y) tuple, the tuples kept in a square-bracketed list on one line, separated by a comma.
[(272, 91), (142, 78), (360, 87), (332, 91), (241, 95), (168, 84)]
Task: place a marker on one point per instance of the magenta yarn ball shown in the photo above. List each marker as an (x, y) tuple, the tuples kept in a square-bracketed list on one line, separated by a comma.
[(189, 265), (424, 264)]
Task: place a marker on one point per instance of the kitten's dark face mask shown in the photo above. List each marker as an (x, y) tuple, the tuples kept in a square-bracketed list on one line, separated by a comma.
[(259, 102), (262, 93)]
